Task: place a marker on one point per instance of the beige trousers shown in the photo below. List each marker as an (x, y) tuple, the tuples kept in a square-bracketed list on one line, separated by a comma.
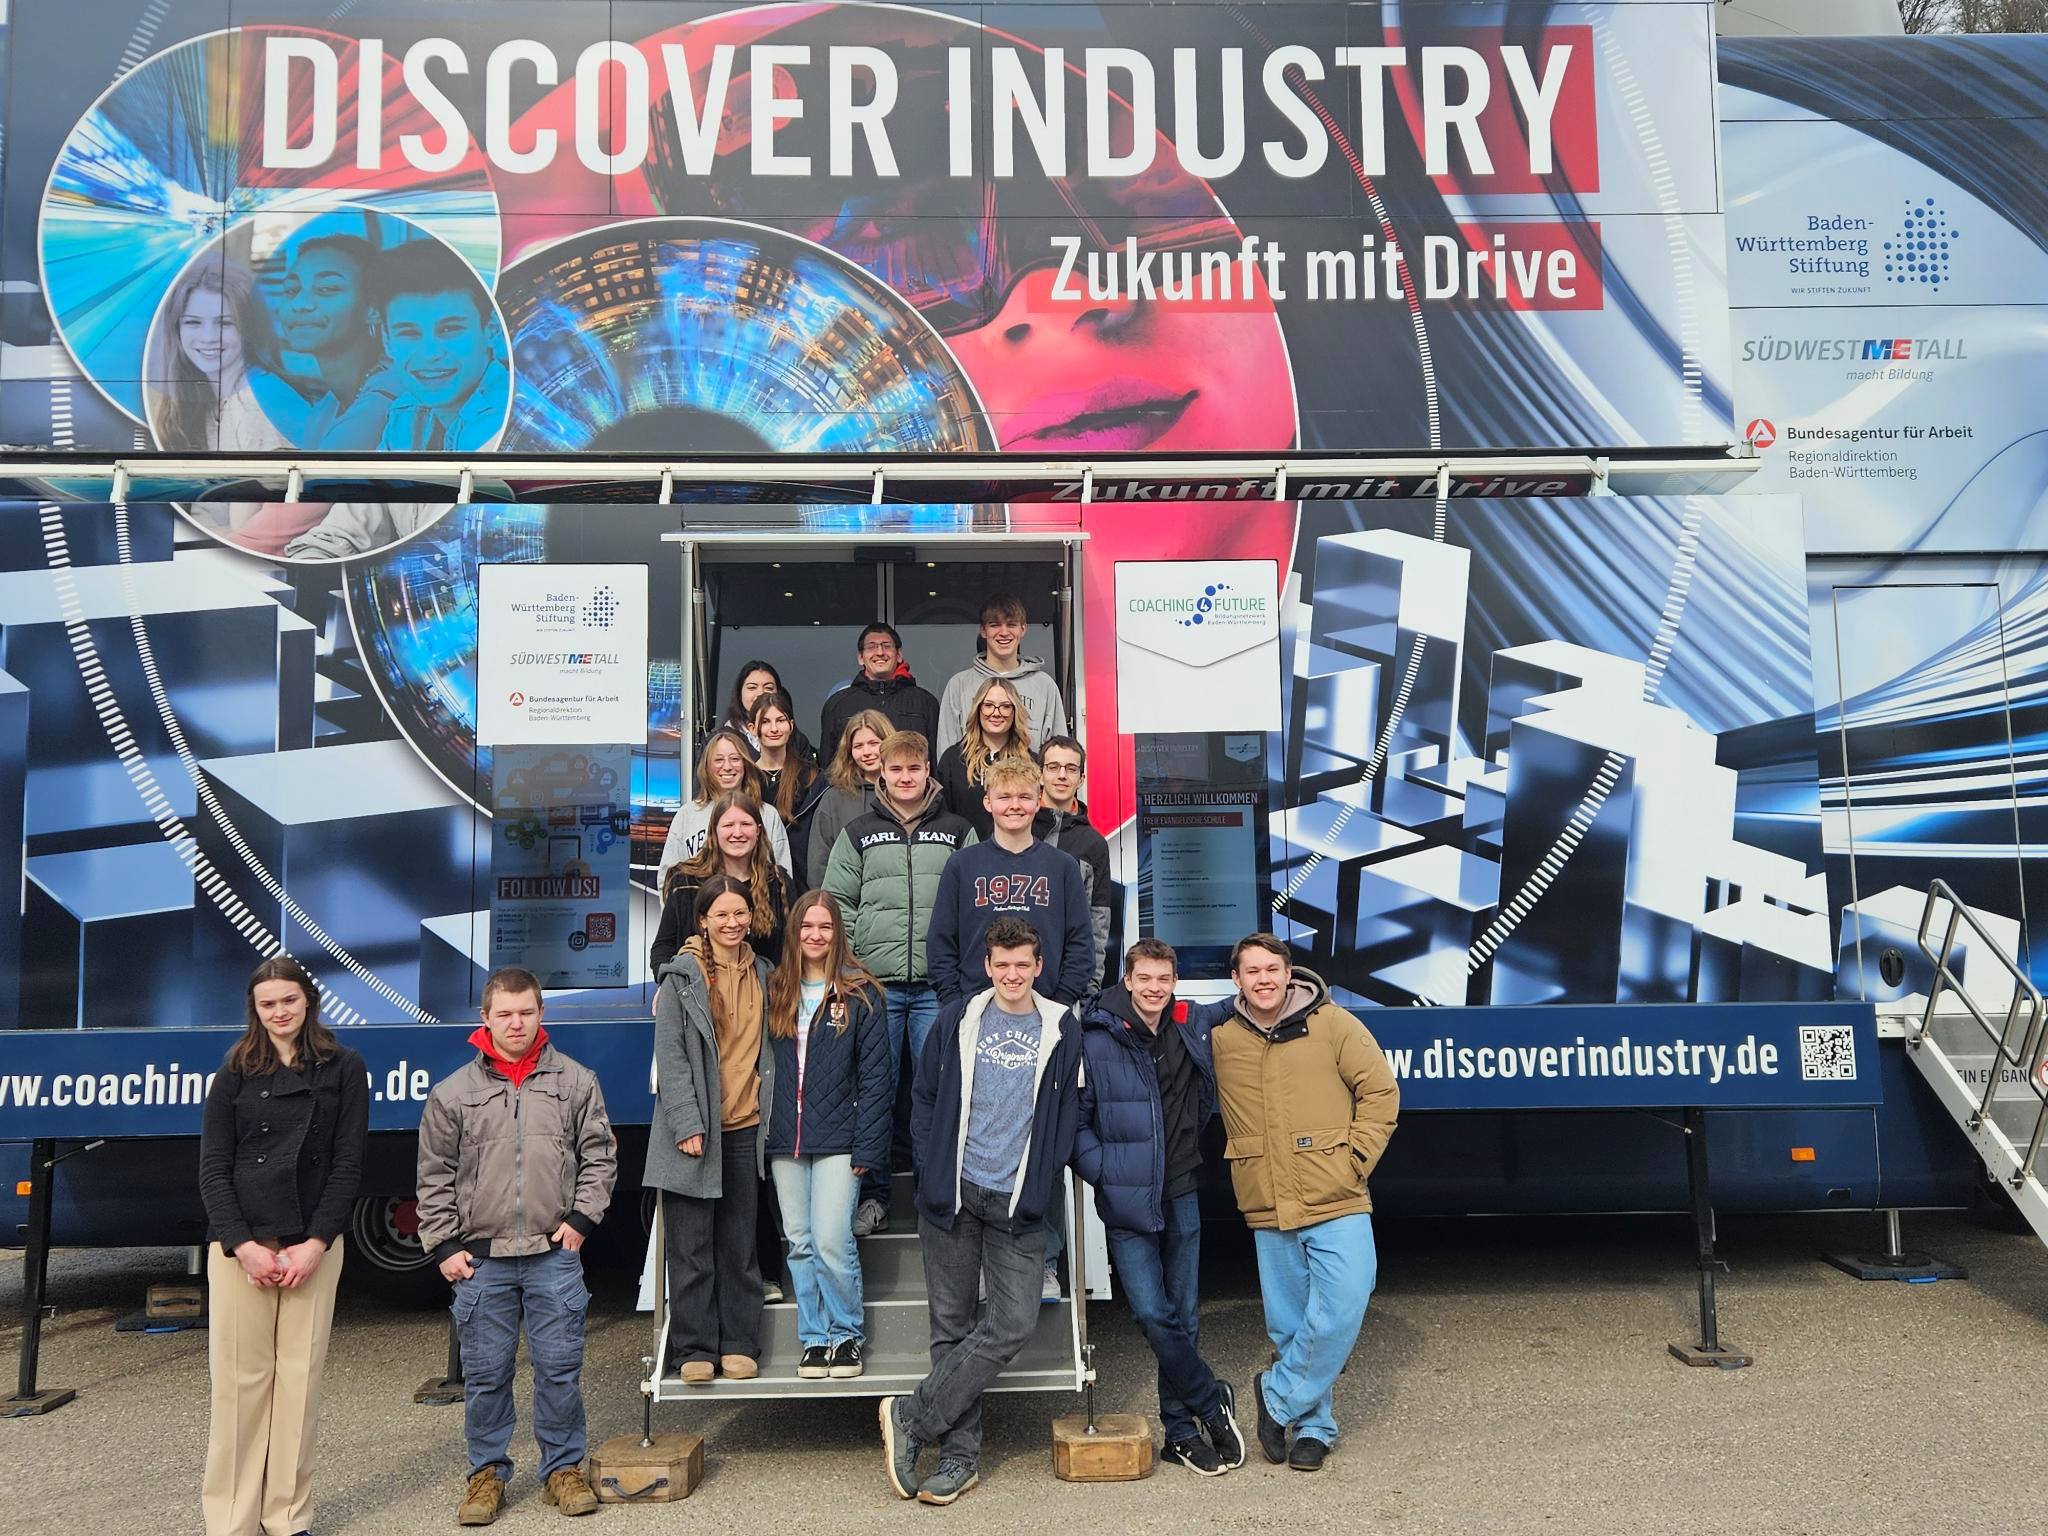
[(267, 1347)]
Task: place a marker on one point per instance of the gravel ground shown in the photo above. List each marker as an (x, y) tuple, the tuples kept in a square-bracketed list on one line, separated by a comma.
[(1512, 1377)]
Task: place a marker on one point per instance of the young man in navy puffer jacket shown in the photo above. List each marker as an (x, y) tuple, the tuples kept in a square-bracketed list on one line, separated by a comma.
[(1147, 1088)]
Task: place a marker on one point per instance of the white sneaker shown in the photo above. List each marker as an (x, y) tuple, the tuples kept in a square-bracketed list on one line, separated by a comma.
[(771, 1292), (1050, 1291)]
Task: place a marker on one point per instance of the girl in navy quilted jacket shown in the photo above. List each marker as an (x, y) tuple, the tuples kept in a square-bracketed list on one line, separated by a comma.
[(834, 1093)]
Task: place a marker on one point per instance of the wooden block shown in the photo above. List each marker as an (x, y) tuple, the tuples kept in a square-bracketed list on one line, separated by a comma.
[(1120, 1450), (168, 1303), (623, 1471)]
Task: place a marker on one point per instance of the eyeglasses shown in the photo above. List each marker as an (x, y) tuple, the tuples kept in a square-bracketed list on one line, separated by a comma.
[(999, 709)]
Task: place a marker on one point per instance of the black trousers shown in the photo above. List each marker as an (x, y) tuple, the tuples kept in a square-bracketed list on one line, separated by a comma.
[(714, 1269)]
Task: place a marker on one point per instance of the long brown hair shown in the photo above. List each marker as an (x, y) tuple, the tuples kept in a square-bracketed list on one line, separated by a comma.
[(750, 776), (764, 875), (799, 773), (255, 1054), (843, 774), (974, 748), (707, 893), (785, 987)]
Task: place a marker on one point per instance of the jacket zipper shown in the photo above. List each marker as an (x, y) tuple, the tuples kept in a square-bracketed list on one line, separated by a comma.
[(909, 906), (518, 1159), (798, 1149)]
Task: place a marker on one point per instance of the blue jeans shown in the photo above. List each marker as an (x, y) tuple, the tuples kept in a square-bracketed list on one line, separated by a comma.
[(1159, 1272), (1316, 1282), (912, 1007), (546, 1292), (818, 1195)]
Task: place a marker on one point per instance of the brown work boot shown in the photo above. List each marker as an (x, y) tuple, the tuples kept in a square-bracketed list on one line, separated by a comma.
[(739, 1367), (483, 1499), (567, 1490), (698, 1373)]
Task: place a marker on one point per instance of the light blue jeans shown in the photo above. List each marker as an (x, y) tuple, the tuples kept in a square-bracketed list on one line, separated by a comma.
[(818, 1195), (1316, 1282)]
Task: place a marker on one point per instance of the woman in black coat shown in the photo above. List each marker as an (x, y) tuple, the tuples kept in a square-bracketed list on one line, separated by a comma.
[(835, 1093), (280, 1162)]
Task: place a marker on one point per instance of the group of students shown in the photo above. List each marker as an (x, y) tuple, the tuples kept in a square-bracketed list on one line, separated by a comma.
[(780, 1032)]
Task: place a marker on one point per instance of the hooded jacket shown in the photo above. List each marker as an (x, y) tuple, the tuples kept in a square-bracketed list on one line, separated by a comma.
[(943, 1089), (1034, 685), (909, 708), (686, 1101), (501, 1167), (845, 1104), (885, 872), (1120, 1144), (1073, 833), (1308, 1107)]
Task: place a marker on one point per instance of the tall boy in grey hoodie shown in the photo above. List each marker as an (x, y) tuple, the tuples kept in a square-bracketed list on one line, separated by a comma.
[(1002, 637)]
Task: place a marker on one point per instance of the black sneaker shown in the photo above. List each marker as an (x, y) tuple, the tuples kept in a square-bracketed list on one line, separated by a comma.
[(1272, 1433), (1223, 1431), (899, 1448), (845, 1362), (1195, 1454), (816, 1363), (1308, 1454), (947, 1484)]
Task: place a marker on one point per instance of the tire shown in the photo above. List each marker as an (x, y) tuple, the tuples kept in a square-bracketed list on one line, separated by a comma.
[(384, 1253)]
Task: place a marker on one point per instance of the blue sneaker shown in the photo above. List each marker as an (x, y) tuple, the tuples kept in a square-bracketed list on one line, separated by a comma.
[(947, 1484), (899, 1448)]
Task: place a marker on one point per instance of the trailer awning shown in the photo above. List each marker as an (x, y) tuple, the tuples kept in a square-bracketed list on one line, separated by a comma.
[(884, 481)]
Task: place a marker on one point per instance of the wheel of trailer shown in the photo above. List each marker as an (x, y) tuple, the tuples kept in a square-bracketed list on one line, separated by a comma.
[(384, 1252)]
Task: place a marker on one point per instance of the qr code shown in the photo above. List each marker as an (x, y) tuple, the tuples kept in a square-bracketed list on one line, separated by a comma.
[(1827, 1053)]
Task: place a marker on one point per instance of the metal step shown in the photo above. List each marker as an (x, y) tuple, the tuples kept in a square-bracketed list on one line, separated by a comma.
[(1961, 1045), (898, 1355)]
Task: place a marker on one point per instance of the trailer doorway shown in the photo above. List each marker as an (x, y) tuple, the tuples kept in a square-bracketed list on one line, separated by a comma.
[(798, 599)]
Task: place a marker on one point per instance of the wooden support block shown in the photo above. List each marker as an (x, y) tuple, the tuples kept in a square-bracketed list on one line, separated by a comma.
[(623, 1471), (1120, 1450), (172, 1303)]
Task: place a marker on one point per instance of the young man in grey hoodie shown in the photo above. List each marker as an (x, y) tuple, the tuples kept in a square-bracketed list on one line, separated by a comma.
[(1002, 637)]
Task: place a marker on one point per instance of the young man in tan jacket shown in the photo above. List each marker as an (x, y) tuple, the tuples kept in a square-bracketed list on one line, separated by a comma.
[(1309, 1105), (516, 1167)]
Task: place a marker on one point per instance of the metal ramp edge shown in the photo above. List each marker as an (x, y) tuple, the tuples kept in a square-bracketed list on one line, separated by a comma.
[(2006, 1118)]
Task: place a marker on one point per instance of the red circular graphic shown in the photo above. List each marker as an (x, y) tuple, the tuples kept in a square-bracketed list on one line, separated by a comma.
[(1760, 433), (518, 699)]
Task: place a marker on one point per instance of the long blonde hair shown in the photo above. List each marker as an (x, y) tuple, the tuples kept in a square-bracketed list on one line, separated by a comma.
[(750, 776), (764, 876), (843, 773), (785, 987), (974, 748)]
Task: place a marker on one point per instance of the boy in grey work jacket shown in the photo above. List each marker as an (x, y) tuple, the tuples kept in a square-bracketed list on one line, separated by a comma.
[(516, 1168)]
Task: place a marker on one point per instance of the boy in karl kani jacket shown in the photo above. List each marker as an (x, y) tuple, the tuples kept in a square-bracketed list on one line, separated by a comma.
[(993, 1113), (516, 1167), (1148, 1086)]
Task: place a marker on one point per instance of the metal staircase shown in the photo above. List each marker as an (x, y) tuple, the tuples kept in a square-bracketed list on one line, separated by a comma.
[(1989, 1068), (898, 1354)]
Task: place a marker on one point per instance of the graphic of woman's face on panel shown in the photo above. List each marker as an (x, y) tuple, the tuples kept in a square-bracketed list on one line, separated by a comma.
[(211, 337)]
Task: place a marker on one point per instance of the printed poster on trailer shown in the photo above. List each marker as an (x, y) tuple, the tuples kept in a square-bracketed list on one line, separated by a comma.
[(561, 654)]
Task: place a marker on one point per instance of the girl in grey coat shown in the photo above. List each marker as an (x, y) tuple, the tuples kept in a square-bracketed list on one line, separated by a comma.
[(714, 1069)]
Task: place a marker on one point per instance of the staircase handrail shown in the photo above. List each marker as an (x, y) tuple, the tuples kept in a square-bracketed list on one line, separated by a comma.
[(2026, 1002)]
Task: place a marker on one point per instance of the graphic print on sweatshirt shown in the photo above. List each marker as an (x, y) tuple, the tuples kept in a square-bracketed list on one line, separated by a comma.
[(1012, 893)]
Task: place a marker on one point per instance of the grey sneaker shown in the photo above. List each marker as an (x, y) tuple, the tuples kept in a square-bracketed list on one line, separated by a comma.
[(899, 1448), (870, 1218), (1049, 1287), (947, 1484)]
